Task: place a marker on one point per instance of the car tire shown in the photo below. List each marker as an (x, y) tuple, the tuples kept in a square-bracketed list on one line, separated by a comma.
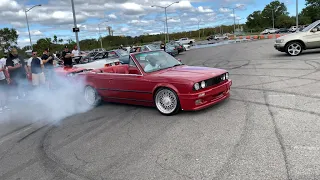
[(167, 101), (91, 96), (294, 48)]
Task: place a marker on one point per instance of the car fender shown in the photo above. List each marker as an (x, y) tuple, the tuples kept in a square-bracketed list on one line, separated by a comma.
[(165, 85)]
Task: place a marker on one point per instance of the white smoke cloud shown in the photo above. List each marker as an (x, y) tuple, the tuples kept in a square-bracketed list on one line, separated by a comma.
[(48, 106)]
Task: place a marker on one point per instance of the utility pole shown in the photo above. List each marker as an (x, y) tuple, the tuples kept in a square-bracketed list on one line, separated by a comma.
[(297, 14), (234, 17), (25, 11), (165, 12), (75, 25)]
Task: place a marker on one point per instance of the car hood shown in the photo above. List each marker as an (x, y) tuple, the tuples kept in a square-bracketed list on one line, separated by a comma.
[(293, 35), (190, 73)]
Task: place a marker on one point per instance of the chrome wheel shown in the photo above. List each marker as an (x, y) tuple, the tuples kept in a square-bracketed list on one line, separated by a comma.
[(294, 49), (90, 95), (166, 101)]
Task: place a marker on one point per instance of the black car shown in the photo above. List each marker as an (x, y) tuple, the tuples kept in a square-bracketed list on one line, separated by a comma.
[(282, 30)]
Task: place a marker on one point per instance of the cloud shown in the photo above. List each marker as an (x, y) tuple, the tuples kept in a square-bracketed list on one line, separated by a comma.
[(124, 16)]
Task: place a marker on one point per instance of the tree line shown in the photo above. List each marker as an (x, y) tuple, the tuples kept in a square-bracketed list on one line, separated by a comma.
[(256, 22), (259, 20)]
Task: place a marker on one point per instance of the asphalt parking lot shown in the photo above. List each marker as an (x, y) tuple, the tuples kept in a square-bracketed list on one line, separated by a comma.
[(268, 129)]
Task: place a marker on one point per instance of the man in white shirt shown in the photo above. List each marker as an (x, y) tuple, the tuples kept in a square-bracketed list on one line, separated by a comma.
[(4, 80), (75, 51)]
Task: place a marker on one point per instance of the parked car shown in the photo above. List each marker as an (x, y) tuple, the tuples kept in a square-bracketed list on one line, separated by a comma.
[(269, 31), (294, 43), (157, 79), (282, 30)]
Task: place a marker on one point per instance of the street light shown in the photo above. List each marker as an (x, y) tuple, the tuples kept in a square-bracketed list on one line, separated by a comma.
[(273, 12), (25, 11), (234, 17), (199, 21), (75, 25), (165, 11), (100, 32), (164, 29)]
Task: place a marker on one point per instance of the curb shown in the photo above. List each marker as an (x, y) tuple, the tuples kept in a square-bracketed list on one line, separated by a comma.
[(256, 37)]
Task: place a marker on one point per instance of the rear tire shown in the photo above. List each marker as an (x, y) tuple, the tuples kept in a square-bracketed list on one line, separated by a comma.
[(91, 96)]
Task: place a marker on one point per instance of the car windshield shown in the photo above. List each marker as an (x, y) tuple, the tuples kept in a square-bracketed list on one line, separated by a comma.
[(308, 28), (156, 61)]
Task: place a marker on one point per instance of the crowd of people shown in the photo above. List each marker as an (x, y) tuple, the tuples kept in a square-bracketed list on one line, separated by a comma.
[(18, 76)]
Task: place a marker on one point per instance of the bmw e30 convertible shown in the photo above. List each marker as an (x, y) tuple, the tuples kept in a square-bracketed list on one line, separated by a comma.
[(155, 78)]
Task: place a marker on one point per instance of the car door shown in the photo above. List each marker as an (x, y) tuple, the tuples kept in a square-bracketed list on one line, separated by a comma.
[(312, 39), (133, 86), (102, 82)]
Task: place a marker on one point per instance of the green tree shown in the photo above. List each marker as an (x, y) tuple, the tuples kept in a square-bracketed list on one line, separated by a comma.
[(55, 39), (312, 10), (254, 20), (8, 37), (275, 9), (284, 21)]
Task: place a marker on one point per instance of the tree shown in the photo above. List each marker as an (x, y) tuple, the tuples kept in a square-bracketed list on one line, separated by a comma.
[(312, 10), (60, 40), (8, 37), (284, 21), (55, 39), (254, 20), (275, 9)]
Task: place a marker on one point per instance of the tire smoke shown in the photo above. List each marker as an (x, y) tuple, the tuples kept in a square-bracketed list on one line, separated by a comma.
[(42, 104)]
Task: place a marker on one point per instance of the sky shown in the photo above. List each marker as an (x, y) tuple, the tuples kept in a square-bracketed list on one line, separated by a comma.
[(126, 17)]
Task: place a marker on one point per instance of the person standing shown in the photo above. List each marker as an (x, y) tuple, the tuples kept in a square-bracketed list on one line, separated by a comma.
[(48, 62), (36, 68), (67, 57), (4, 81), (18, 71), (163, 46), (75, 51)]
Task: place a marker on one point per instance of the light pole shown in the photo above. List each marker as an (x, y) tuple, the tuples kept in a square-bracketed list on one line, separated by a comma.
[(165, 12), (25, 11), (273, 12), (164, 29), (199, 27), (100, 32), (234, 17), (297, 14), (75, 25)]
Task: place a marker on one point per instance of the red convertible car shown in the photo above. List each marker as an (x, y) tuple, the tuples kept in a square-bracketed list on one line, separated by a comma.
[(155, 78)]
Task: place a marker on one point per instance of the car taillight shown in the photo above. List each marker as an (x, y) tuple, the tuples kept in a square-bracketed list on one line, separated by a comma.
[(117, 63), (106, 65)]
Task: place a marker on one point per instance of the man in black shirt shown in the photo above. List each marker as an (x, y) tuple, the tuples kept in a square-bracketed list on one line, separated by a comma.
[(48, 64), (18, 70), (37, 70), (67, 57)]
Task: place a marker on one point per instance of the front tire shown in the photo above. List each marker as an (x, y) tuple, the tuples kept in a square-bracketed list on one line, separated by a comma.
[(91, 96), (167, 101), (294, 48)]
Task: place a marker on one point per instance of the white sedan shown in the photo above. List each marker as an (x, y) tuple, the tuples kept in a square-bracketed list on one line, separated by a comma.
[(99, 63)]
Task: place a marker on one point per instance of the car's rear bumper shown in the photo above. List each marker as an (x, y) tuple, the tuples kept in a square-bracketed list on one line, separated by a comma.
[(206, 98)]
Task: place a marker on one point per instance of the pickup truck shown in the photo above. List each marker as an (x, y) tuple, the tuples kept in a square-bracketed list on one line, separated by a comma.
[(186, 41)]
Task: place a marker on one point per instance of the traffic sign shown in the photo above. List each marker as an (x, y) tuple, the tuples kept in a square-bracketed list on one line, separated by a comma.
[(76, 29)]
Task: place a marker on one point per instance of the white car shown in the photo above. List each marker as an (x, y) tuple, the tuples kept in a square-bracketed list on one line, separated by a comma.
[(269, 31), (99, 64), (294, 43)]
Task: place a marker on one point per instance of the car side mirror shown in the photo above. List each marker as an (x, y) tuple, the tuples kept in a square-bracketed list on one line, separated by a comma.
[(314, 30)]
